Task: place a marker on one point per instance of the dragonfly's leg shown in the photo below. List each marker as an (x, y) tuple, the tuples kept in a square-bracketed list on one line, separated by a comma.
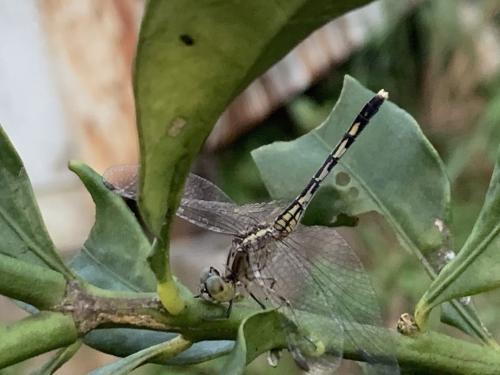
[(272, 281), (229, 309), (298, 358), (257, 300)]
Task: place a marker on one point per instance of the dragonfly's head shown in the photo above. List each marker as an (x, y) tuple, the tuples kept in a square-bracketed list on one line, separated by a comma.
[(215, 287)]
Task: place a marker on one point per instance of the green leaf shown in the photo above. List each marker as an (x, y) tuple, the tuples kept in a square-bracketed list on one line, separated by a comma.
[(114, 255), (476, 268), (35, 335), (22, 230), (192, 59), (454, 317), (124, 366), (122, 342), (257, 334), (392, 169)]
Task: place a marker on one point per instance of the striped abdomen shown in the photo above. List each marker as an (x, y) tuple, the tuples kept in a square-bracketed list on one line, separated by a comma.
[(287, 221)]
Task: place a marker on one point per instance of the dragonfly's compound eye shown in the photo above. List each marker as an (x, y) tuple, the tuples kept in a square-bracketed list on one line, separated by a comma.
[(208, 272), (219, 289)]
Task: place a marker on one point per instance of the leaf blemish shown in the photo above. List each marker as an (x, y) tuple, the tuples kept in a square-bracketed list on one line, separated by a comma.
[(342, 179), (176, 126), (187, 39), (353, 193)]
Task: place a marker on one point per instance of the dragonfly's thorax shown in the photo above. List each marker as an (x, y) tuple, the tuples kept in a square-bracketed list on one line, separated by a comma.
[(246, 249), (256, 238)]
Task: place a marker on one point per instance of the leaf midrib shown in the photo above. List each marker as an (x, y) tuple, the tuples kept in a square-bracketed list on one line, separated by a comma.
[(38, 251), (109, 270)]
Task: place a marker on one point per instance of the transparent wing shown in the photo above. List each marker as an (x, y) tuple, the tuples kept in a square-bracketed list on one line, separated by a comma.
[(317, 271), (227, 218), (202, 204), (122, 179), (280, 281)]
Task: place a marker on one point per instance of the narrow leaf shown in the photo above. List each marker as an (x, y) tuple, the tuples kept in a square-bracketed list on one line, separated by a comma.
[(476, 268), (114, 255), (22, 230), (60, 358), (122, 342), (165, 350)]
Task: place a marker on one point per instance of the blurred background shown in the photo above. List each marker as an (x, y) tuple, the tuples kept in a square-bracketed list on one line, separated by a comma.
[(65, 68)]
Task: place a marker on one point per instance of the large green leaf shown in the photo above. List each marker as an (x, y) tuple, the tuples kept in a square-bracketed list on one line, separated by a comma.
[(392, 169), (476, 268), (192, 59), (22, 231), (114, 255)]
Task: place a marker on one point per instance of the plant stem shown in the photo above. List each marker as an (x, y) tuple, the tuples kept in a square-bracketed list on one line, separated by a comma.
[(30, 283), (429, 353), (34, 335)]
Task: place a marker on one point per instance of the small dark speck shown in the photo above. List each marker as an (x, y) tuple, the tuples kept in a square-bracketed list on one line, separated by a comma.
[(187, 39)]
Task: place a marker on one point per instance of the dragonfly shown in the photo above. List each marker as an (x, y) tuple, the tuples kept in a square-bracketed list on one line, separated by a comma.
[(309, 273)]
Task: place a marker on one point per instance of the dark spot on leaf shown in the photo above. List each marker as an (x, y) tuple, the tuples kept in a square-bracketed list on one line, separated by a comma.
[(187, 39), (353, 193), (342, 179)]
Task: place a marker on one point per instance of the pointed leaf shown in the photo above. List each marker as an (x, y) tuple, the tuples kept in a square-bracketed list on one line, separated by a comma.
[(114, 255), (60, 358), (22, 230), (392, 169), (476, 268)]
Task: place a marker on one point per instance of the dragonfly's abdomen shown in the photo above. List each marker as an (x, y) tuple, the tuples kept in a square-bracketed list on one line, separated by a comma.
[(289, 219)]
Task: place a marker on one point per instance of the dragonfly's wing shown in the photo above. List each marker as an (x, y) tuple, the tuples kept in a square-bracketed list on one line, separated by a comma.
[(202, 204), (197, 187), (282, 280), (122, 179), (225, 217), (317, 271)]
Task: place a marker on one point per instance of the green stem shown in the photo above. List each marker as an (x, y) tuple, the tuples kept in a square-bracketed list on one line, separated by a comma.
[(166, 287), (88, 308), (34, 335), (36, 285), (431, 353)]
